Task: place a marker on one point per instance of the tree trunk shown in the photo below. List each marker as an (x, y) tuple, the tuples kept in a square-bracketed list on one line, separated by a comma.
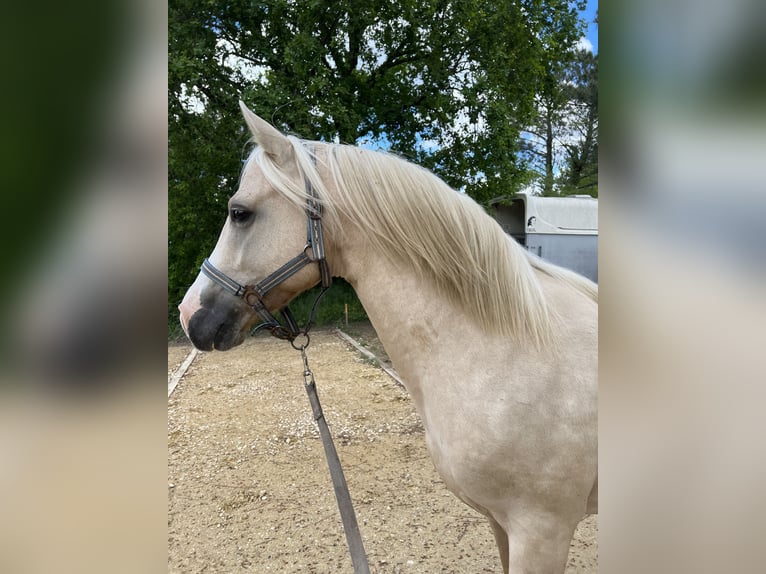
[(548, 181)]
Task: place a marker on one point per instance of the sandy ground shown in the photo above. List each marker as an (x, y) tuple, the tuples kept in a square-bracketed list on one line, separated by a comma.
[(249, 490)]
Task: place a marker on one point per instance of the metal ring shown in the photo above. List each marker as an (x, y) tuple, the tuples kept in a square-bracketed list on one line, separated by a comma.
[(306, 248), (304, 345)]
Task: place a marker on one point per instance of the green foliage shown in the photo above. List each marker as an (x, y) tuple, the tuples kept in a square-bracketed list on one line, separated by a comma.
[(449, 85), (580, 174), (563, 111), (331, 308)]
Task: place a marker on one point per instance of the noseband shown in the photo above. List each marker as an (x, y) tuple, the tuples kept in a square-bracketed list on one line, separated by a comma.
[(254, 294)]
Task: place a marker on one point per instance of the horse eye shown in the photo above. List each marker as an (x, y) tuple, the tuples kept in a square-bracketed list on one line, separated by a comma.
[(240, 215)]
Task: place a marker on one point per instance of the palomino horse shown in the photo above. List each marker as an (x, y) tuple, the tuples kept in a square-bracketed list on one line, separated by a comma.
[(498, 348)]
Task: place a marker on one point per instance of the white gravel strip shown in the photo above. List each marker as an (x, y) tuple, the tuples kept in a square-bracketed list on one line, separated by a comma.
[(353, 342), (181, 371)]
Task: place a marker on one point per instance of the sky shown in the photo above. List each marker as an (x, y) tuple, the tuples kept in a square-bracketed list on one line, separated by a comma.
[(589, 14)]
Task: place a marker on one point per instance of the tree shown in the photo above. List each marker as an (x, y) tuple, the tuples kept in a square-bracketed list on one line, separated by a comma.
[(580, 173), (447, 84), (550, 128)]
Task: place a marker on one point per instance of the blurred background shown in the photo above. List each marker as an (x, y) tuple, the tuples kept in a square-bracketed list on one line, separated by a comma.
[(83, 220), (84, 178), (84, 292), (682, 277)]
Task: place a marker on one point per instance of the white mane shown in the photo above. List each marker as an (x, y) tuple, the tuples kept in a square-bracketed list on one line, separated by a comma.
[(413, 217)]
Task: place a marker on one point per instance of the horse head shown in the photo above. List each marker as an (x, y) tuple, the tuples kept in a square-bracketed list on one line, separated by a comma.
[(264, 230)]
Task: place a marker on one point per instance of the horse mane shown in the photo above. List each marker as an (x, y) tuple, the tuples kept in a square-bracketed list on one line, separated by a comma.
[(413, 217)]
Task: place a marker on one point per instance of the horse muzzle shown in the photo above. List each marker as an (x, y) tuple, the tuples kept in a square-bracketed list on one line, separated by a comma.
[(210, 322), (210, 329)]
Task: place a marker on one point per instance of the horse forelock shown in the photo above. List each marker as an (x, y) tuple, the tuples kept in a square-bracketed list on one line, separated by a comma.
[(410, 215)]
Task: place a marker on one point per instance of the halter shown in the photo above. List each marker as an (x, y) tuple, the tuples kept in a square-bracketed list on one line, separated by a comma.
[(254, 294)]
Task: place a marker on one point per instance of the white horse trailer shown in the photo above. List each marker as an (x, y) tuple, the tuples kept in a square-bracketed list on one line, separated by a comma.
[(562, 230)]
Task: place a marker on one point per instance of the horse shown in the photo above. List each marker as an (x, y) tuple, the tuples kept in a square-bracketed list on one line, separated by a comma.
[(498, 348)]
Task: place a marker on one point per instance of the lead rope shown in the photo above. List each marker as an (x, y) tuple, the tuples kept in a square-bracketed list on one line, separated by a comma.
[(347, 514)]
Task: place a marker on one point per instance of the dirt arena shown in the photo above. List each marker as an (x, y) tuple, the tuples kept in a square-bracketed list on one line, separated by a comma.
[(248, 486)]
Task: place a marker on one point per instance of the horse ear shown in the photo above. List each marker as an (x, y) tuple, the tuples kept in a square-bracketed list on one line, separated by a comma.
[(267, 136)]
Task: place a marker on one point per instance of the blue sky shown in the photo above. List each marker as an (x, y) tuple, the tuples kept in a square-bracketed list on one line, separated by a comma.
[(589, 14)]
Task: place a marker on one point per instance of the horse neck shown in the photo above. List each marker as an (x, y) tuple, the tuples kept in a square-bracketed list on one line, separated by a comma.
[(404, 308)]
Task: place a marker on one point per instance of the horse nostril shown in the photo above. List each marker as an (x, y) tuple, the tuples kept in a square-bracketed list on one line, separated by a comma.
[(186, 311)]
